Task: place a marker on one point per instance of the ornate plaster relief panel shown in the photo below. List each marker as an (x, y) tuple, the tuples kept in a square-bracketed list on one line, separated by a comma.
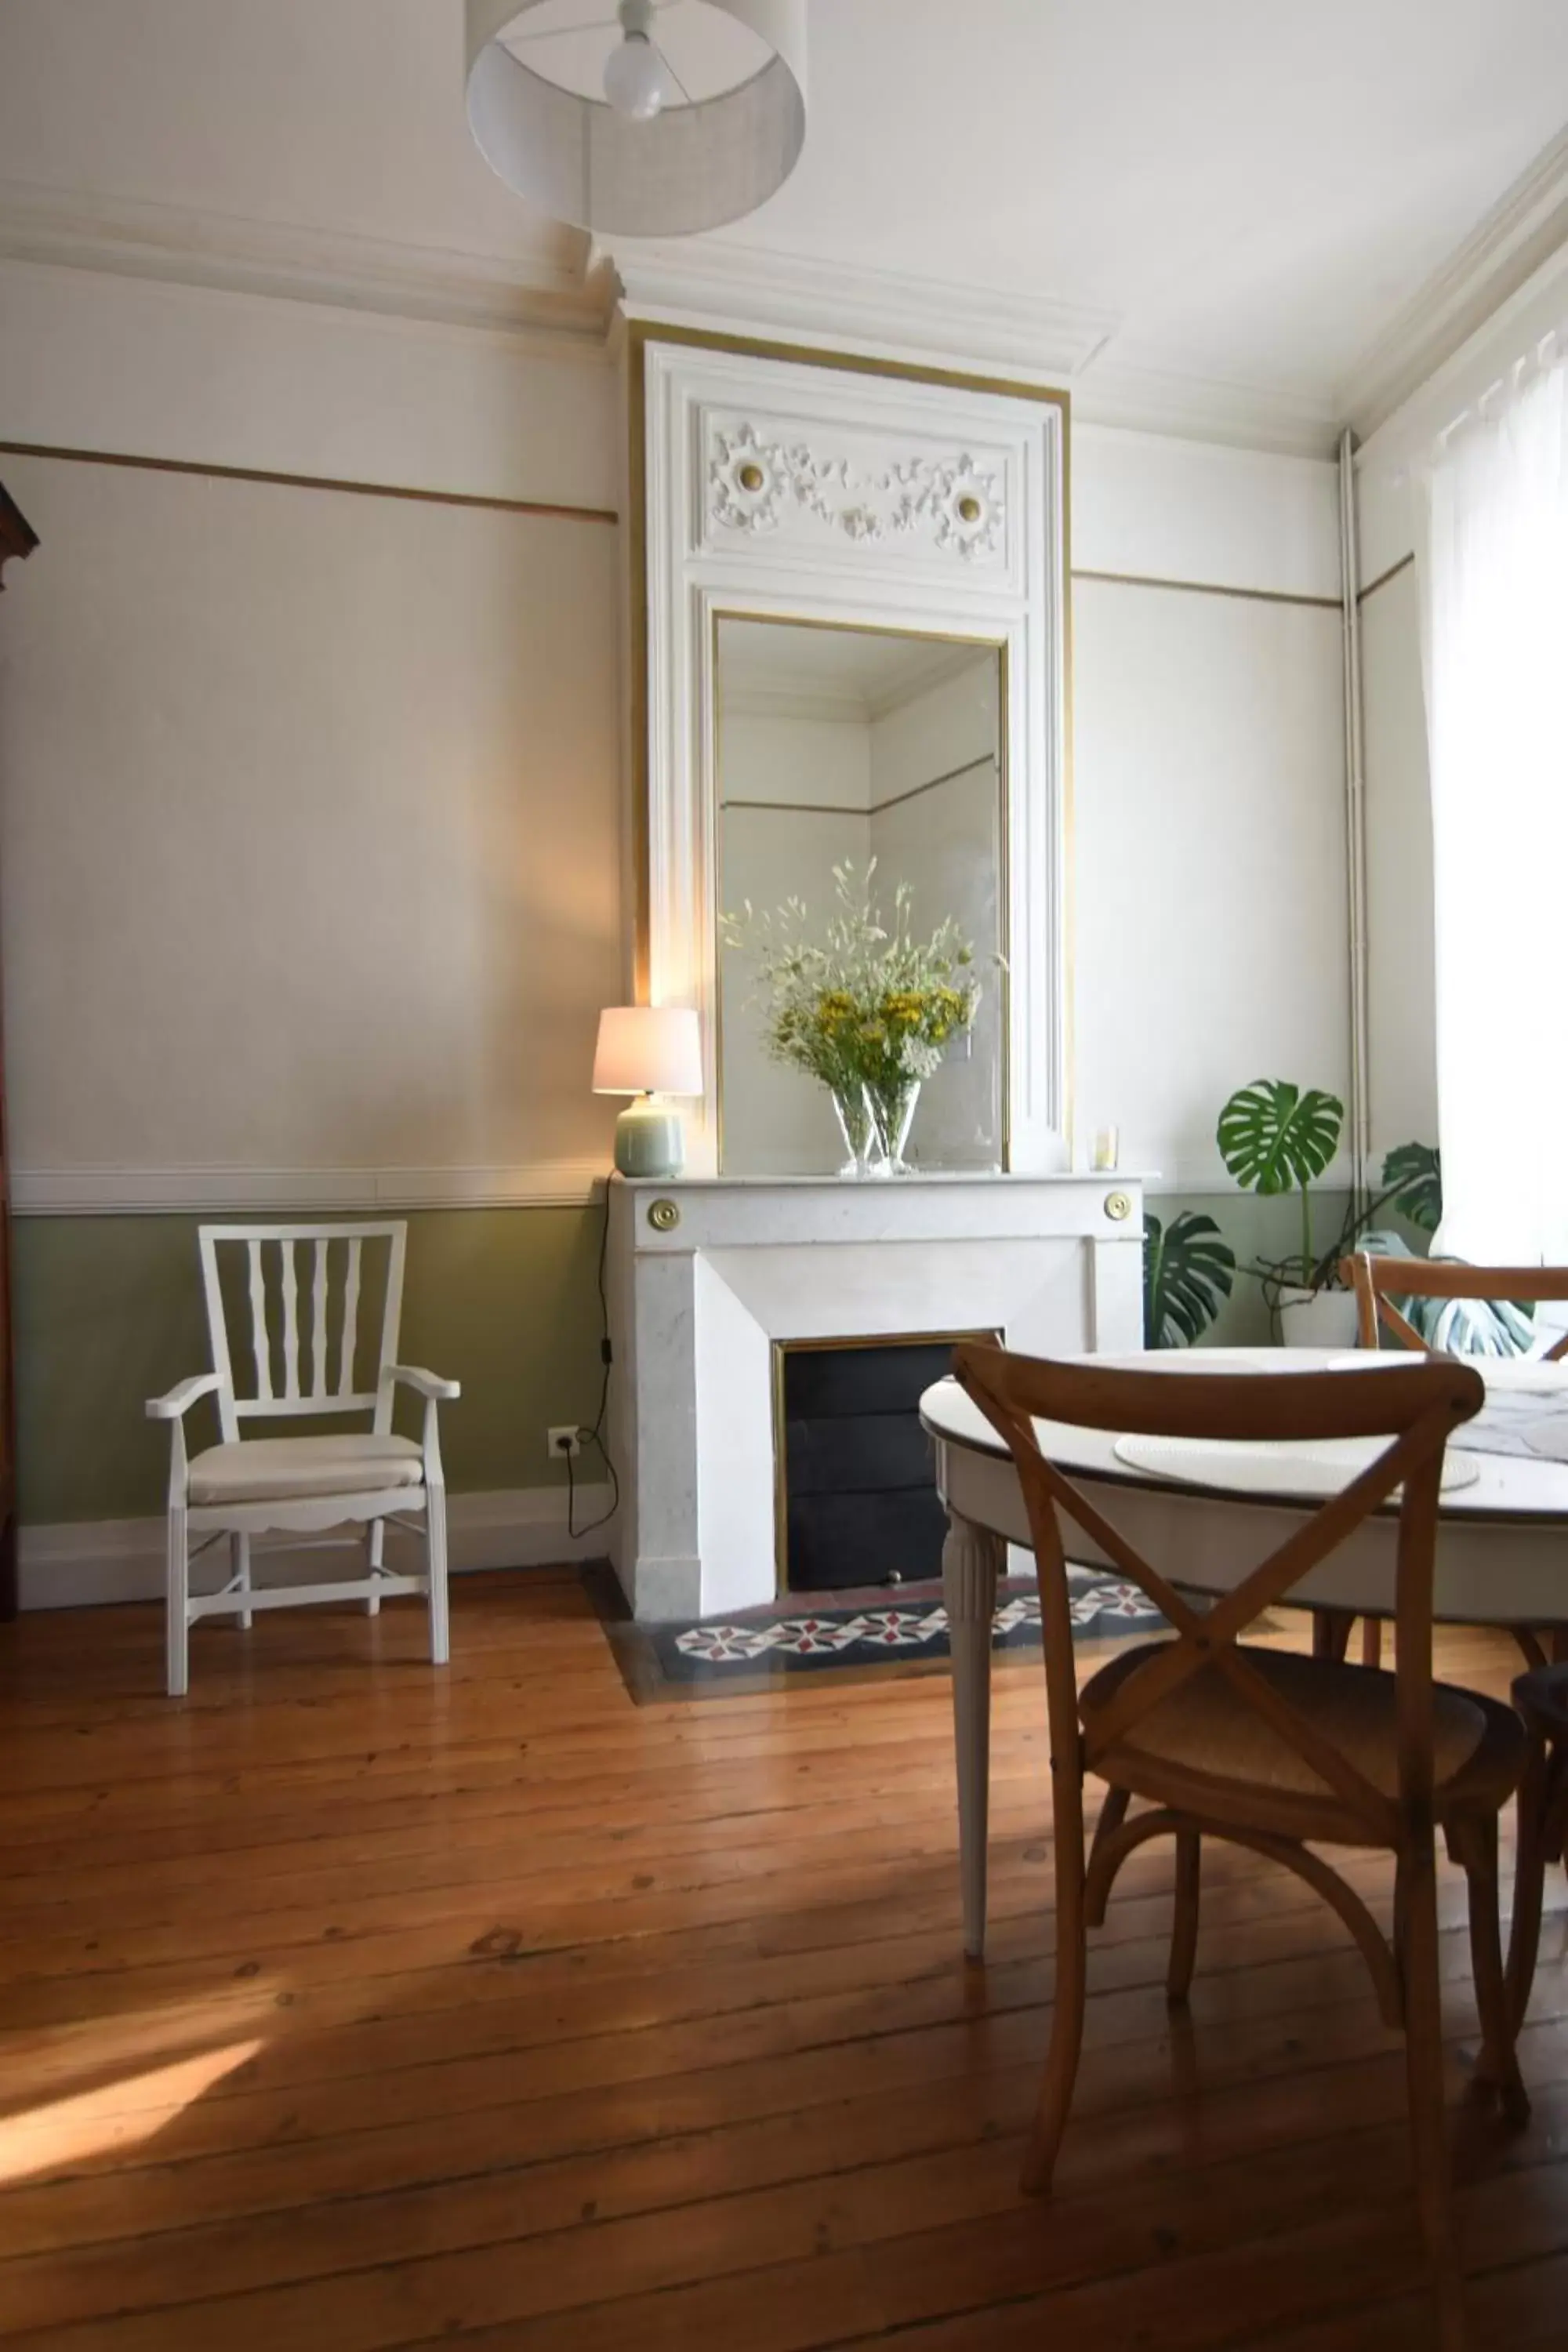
[(854, 498)]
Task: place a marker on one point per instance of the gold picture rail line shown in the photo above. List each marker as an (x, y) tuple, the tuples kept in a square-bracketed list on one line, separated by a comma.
[(1383, 578), (876, 808), (1214, 588), (544, 508)]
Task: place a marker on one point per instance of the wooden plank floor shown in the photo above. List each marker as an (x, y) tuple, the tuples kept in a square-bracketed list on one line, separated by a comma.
[(348, 2005)]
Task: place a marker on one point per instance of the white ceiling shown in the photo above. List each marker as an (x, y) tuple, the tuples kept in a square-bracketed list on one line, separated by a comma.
[(852, 674), (1242, 191)]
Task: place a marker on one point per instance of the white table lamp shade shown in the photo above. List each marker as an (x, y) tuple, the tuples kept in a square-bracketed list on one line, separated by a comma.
[(692, 166), (648, 1049)]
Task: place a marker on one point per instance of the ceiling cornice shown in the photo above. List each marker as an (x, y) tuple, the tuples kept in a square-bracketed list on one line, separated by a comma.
[(800, 299), (1129, 384), (1526, 225), (724, 286), (540, 288)]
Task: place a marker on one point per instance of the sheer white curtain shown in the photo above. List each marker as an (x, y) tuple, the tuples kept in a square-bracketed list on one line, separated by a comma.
[(1493, 560)]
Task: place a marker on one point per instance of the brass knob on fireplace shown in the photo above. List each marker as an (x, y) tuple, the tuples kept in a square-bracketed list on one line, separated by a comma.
[(1118, 1206), (664, 1216)]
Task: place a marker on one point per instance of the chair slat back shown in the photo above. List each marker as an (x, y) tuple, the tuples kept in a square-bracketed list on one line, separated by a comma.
[(1414, 1408), (1377, 1281), (315, 1377)]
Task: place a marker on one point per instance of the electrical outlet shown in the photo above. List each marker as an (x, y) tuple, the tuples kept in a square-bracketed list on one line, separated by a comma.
[(566, 1439)]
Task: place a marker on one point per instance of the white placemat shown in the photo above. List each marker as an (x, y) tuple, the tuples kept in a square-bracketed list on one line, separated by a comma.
[(1266, 1467), (1500, 1375)]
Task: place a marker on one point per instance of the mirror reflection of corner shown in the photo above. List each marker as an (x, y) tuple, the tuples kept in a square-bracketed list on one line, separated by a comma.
[(841, 746)]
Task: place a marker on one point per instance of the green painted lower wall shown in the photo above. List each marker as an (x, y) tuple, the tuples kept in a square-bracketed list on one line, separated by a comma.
[(109, 1313), (1256, 1229)]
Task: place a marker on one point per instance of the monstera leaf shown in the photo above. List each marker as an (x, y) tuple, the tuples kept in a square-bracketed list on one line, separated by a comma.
[(1458, 1327), (1187, 1272), (1272, 1137), (1413, 1182)]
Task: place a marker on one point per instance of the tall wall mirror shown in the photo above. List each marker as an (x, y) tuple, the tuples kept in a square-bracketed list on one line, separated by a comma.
[(857, 751), (852, 646)]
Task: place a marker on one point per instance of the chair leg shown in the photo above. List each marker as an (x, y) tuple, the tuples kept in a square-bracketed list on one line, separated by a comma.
[(1476, 1842), (239, 1568), (1372, 1640), (1542, 1796), (1112, 1813), (1185, 1929), (378, 1544), (1072, 1976), (177, 1625), (1331, 1631), (436, 1540), (1419, 1965)]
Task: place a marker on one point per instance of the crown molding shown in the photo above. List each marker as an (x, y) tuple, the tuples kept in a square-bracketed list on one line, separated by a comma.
[(720, 285), (563, 288), (1522, 231), (1130, 386), (836, 305), (540, 287)]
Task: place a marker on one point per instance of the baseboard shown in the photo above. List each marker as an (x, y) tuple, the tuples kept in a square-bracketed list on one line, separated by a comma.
[(91, 1563)]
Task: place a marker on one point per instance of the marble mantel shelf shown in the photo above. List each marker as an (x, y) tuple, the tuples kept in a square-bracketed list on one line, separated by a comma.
[(872, 1186), (709, 1276)]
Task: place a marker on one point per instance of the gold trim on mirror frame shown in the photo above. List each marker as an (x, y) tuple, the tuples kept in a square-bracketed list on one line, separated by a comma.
[(982, 643), (779, 1349), (640, 332)]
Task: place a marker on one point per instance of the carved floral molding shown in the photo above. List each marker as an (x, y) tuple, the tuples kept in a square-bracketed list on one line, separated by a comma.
[(755, 481)]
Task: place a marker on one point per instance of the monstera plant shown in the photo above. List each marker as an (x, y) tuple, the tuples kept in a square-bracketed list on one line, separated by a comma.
[(1188, 1269), (1277, 1138)]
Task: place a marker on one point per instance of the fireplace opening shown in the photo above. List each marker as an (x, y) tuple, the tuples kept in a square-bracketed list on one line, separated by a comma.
[(858, 1502)]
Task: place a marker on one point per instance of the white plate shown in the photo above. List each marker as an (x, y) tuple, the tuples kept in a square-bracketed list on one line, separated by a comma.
[(1265, 1467), (1500, 1375)]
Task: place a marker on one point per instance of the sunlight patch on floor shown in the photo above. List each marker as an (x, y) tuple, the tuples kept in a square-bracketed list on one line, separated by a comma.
[(93, 2123)]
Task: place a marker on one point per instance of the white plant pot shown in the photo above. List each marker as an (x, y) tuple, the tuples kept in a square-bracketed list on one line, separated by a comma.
[(1317, 1318)]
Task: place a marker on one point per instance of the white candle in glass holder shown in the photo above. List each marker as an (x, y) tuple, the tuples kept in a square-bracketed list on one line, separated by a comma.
[(1106, 1145)]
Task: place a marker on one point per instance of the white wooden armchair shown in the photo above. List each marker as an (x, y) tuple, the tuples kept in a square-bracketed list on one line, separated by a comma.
[(245, 1487)]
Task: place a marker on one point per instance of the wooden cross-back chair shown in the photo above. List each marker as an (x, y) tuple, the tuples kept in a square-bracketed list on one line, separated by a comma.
[(1270, 1750), (305, 1346), (1378, 1281)]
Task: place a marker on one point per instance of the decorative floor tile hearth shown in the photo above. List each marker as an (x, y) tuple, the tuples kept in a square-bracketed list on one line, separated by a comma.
[(809, 1640)]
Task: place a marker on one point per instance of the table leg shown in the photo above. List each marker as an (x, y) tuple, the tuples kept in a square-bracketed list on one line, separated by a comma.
[(971, 1560)]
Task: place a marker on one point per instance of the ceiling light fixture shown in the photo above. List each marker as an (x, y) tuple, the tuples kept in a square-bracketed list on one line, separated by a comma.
[(667, 117), (634, 79)]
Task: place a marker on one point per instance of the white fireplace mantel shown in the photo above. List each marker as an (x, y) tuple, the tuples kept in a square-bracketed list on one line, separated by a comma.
[(708, 1276)]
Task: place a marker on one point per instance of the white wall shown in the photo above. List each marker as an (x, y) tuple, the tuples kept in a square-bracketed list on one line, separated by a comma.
[(1208, 819), (936, 793), (309, 829), (310, 802), (772, 848), (363, 659)]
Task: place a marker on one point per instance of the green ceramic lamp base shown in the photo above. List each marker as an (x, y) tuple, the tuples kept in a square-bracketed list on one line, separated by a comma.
[(649, 1139)]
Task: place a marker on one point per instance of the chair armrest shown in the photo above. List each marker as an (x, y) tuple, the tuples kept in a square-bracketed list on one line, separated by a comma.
[(179, 1401), (413, 1376)]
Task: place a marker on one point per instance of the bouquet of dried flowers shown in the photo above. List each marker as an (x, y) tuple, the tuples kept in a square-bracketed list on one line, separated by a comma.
[(867, 1008)]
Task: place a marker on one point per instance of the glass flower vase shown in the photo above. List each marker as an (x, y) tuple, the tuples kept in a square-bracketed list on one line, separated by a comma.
[(893, 1112), (852, 1110)]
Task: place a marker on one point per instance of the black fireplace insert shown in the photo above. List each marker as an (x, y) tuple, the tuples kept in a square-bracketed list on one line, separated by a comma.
[(858, 1501)]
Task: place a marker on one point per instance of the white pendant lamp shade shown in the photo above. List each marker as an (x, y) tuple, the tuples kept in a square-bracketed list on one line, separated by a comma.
[(656, 119)]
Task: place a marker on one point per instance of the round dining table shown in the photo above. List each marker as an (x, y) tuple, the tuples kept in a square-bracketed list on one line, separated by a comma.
[(1501, 1555)]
